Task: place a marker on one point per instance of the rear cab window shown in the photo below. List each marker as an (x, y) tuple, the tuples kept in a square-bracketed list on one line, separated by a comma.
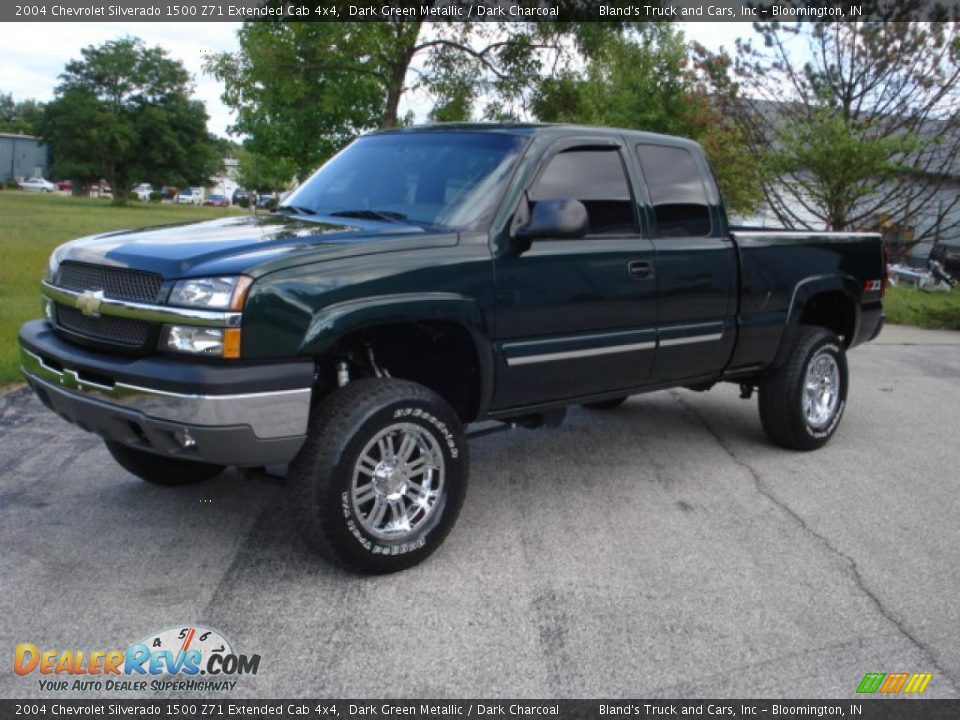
[(677, 191)]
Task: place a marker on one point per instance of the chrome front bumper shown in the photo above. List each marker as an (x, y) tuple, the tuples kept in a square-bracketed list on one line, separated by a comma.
[(269, 415), (228, 428)]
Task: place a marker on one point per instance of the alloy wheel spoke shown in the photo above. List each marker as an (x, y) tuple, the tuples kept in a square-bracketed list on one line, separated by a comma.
[(364, 493), (407, 446), (367, 465), (420, 496), (420, 465), (377, 512)]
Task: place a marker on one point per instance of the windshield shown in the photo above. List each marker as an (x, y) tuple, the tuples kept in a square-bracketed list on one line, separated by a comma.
[(447, 179)]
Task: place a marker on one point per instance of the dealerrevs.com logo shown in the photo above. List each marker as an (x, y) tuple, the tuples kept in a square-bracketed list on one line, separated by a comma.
[(179, 659)]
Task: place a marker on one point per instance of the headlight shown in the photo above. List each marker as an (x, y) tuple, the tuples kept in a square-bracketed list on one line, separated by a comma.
[(219, 293), (216, 342)]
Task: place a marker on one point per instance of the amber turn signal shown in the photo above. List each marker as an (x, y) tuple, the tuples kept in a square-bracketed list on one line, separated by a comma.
[(231, 343)]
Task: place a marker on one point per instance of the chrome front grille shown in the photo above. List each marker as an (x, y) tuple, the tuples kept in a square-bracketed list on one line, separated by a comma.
[(118, 283), (116, 330)]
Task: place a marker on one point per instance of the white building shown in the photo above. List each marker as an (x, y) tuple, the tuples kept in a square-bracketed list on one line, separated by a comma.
[(226, 182)]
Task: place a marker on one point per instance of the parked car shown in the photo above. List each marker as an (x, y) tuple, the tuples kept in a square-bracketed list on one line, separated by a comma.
[(266, 200), (101, 188), (949, 258), (239, 194), (216, 201), (65, 186), (142, 191), (190, 196), (426, 279), (37, 184)]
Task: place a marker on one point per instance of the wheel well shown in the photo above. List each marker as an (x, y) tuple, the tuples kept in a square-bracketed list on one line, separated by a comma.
[(832, 310), (440, 355)]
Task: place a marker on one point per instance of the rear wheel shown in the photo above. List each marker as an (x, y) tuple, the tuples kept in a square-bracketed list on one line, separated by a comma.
[(382, 476), (802, 403), (606, 404), (159, 469)]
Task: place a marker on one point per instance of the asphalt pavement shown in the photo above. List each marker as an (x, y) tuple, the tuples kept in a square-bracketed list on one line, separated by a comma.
[(664, 549)]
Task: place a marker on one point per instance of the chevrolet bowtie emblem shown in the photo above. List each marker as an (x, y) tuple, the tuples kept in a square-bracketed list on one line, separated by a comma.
[(89, 302)]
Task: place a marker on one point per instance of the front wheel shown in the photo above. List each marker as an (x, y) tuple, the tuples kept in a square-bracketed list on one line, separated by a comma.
[(159, 469), (382, 476), (802, 403)]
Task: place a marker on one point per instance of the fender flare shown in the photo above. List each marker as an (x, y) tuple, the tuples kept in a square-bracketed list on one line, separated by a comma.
[(803, 292), (338, 320)]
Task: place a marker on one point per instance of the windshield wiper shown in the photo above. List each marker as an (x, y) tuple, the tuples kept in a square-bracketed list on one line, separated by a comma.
[(371, 215), (299, 209)]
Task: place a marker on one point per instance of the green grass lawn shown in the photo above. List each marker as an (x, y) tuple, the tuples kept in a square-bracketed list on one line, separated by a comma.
[(31, 225), (907, 306)]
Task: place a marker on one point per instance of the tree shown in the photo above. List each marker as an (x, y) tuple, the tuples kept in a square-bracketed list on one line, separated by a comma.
[(302, 91), (855, 123), (124, 113), (291, 98), (641, 80), (19, 117), (262, 174)]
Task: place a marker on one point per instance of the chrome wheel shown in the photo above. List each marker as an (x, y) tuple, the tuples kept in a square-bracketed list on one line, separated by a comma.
[(821, 390), (397, 481)]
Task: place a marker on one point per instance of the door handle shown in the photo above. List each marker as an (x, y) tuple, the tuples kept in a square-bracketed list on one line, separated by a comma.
[(640, 270)]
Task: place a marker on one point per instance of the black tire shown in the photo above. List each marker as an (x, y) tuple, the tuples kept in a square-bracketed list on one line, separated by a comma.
[(781, 397), (159, 469), (325, 496), (612, 404)]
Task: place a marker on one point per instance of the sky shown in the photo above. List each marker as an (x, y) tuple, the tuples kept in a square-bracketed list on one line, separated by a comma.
[(35, 54)]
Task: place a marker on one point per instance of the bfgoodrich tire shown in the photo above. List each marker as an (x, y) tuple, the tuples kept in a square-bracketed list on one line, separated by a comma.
[(382, 476), (802, 403), (159, 469)]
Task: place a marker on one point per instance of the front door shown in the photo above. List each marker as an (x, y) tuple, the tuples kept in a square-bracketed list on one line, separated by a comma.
[(577, 317)]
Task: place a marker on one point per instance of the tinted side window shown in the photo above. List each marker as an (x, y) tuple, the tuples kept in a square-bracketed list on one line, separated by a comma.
[(676, 190), (598, 180)]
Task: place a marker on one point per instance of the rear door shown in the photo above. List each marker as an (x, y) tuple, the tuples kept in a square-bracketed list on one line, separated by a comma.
[(577, 317), (696, 264)]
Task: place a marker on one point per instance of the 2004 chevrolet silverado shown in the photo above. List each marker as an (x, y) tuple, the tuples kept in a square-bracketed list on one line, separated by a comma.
[(428, 278)]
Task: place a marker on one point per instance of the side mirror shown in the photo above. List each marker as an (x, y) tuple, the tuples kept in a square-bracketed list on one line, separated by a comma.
[(554, 219)]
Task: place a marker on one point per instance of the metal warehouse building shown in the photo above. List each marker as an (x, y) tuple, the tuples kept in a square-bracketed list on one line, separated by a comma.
[(21, 156)]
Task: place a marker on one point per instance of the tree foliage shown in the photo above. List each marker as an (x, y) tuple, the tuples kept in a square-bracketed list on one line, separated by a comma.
[(641, 80), (292, 93), (21, 117), (124, 113), (856, 124), (301, 91), (263, 174)]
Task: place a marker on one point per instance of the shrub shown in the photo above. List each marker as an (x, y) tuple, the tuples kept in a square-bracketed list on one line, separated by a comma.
[(243, 202), (156, 197)]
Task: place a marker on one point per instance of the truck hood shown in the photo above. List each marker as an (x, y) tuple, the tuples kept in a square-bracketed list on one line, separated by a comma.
[(251, 245)]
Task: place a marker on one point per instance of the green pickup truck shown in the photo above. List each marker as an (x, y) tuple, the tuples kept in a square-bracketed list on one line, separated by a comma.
[(427, 278)]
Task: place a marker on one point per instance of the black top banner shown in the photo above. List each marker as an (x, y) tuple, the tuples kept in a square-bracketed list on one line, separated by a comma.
[(866, 709), (476, 10)]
